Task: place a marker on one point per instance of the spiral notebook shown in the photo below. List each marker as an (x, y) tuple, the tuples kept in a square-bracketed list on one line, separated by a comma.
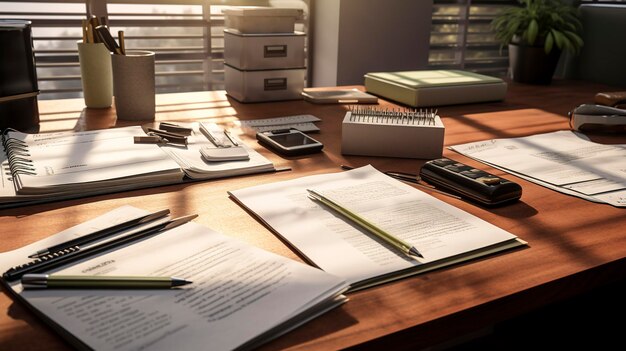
[(56, 166), (409, 133)]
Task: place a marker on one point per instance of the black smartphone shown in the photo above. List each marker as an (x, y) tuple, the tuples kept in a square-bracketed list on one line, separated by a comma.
[(289, 142)]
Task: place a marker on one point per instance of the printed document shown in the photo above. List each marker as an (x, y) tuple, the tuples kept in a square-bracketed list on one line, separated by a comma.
[(564, 161), (443, 233), (241, 296)]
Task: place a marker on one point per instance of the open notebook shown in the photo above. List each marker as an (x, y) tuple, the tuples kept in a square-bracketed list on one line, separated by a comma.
[(444, 234), (241, 296), (54, 166)]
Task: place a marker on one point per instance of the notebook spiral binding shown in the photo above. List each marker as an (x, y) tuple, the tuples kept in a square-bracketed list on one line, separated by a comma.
[(17, 155), (407, 116), (55, 256)]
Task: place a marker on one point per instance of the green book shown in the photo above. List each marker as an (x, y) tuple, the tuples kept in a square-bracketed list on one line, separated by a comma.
[(435, 87)]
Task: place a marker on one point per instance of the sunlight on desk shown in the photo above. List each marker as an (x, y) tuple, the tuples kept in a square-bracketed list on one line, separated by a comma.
[(575, 246)]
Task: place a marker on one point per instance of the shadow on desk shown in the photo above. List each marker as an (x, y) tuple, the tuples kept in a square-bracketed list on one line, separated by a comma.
[(594, 321)]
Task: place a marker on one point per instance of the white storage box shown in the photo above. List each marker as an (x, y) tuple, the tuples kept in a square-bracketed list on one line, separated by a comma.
[(263, 51), (265, 85), (261, 19)]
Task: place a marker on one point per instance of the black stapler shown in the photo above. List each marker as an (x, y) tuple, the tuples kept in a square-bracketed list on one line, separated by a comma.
[(588, 117)]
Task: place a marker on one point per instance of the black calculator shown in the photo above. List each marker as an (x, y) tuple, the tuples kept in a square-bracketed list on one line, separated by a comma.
[(470, 183)]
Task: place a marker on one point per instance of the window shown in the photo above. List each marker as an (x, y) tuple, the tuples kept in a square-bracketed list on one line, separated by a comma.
[(461, 37), (186, 35)]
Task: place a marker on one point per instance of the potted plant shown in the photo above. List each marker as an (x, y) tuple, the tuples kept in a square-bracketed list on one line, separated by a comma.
[(536, 33)]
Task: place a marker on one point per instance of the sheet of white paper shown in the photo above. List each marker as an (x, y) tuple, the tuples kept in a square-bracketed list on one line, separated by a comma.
[(563, 161), (435, 228)]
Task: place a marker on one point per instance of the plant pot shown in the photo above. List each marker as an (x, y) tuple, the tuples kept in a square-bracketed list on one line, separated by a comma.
[(530, 64)]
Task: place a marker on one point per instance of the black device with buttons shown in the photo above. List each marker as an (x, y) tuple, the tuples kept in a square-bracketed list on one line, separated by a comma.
[(469, 182)]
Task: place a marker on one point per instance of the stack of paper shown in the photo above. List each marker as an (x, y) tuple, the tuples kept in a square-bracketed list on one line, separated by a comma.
[(442, 233), (241, 296)]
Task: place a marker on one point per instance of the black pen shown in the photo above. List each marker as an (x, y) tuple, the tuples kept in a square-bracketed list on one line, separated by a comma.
[(57, 259), (102, 233), (108, 40)]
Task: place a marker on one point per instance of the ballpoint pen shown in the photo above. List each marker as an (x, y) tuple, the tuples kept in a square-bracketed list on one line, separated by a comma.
[(107, 39), (47, 281), (102, 233), (398, 243), (69, 255)]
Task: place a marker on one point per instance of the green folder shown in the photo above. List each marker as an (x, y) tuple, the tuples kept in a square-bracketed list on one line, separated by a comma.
[(435, 87)]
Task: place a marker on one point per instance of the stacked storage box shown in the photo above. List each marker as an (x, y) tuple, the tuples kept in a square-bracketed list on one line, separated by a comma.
[(263, 55)]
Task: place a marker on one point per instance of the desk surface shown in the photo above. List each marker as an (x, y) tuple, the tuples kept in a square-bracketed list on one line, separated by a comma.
[(574, 245)]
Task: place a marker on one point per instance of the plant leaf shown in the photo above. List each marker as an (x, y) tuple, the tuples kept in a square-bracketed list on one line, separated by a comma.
[(549, 43), (558, 38), (533, 29), (577, 41)]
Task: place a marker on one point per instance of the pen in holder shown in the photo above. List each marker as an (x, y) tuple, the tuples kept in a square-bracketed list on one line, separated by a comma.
[(133, 85), (95, 74)]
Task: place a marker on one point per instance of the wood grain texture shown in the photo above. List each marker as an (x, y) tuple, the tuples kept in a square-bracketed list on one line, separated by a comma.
[(574, 245)]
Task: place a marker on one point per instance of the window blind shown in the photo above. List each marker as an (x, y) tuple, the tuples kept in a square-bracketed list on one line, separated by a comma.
[(461, 36), (186, 35)]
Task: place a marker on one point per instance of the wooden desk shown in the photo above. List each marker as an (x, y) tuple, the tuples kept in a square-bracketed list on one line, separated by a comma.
[(575, 245)]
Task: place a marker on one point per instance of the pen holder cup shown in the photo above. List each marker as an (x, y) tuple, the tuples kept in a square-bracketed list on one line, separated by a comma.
[(96, 74), (134, 86)]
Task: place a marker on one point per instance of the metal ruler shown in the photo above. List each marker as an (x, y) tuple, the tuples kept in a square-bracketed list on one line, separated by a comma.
[(303, 123)]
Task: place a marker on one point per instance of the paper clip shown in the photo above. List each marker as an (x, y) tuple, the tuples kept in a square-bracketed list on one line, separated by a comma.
[(175, 128), (230, 137), (173, 138)]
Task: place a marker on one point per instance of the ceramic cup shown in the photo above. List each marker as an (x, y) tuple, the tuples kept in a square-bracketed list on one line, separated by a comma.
[(95, 74), (133, 85)]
